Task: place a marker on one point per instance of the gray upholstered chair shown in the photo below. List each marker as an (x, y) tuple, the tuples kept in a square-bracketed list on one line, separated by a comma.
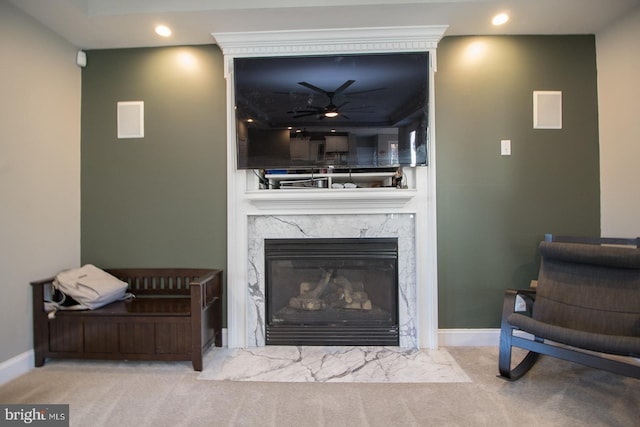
[(586, 305)]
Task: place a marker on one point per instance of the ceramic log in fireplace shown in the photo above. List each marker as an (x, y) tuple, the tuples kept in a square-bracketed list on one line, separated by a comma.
[(332, 291)]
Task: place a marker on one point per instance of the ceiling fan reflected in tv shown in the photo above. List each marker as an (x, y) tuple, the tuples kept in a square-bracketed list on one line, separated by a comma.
[(328, 111), (378, 103)]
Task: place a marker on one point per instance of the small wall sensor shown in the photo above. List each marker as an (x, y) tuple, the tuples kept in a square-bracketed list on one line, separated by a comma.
[(81, 58)]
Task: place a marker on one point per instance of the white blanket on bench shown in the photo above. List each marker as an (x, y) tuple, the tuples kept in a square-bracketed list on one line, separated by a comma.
[(90, 287)]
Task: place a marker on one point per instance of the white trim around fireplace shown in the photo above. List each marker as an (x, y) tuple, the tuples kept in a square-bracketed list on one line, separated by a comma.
[(244, 201)]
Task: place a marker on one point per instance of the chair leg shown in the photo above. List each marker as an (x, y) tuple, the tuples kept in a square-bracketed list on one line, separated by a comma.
[(504, 357), (196, 359), (521, 369)]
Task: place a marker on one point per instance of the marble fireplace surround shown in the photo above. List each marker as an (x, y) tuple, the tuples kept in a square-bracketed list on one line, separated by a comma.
[(253, 214), (400, 226)]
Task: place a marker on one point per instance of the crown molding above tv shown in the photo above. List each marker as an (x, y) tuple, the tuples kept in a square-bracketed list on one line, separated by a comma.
[(245, 200), (332, 40)]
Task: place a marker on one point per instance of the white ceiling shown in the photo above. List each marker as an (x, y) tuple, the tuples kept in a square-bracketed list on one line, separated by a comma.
[(101, 24)]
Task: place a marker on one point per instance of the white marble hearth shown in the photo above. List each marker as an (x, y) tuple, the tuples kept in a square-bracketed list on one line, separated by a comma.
[(333, 364), (400, 226)]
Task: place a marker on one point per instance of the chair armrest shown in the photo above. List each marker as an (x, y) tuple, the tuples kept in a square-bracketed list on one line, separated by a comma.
[(206, 314), (510, 301), (513, 293), (207, 288)]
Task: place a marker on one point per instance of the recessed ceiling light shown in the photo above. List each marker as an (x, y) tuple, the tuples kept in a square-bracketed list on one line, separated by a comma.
[(500, 19), (163, 30)]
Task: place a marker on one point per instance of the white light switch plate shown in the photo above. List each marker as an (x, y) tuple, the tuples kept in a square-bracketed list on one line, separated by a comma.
[(505, 147)]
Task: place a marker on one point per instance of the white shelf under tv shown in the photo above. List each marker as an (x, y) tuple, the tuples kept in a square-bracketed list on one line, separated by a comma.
[(370, 200), (332, 181), (371, 192)]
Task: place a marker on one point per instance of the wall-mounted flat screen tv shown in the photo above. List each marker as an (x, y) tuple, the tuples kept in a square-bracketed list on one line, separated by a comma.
[(343, 111)]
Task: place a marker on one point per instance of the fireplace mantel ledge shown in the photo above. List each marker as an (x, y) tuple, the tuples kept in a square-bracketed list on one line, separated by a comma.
[(332, 199)]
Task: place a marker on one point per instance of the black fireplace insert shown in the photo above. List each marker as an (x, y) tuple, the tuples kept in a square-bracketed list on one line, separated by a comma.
[(340, 291)]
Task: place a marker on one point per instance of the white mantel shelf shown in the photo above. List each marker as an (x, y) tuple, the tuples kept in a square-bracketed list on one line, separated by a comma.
[(332, 200)]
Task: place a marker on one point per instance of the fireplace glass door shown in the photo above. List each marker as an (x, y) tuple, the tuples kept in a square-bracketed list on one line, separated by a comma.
[(332, 291)]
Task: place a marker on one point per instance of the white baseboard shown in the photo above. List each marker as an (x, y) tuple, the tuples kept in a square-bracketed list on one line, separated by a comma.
[(473, 337), (468, 337), (224, 337), (16, 366)]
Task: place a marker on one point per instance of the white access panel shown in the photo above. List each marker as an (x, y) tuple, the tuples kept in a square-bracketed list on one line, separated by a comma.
[(131, 119)]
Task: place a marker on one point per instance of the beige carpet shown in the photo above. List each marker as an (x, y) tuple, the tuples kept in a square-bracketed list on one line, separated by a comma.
[(554, 393)]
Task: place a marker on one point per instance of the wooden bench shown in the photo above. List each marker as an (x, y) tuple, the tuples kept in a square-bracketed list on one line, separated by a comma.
[(176, 315)]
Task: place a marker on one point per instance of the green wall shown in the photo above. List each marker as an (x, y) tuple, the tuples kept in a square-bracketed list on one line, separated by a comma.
[(160, 200), (493, 210), (157, 201)]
